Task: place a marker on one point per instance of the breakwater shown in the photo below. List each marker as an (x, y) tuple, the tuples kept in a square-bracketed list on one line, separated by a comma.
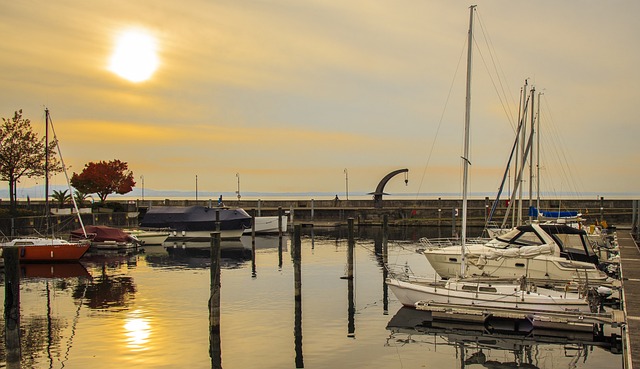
[(440, 212)]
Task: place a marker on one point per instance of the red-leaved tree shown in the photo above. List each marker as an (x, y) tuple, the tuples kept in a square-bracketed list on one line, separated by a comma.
[(104, 178)]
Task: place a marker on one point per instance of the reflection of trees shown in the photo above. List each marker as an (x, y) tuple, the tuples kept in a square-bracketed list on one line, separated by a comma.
[(106, 292)]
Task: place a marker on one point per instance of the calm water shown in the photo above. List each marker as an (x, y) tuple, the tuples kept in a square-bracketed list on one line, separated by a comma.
[(151, 311)]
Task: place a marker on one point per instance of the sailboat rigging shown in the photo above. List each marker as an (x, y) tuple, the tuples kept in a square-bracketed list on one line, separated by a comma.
[(49, 249), (484, 292)]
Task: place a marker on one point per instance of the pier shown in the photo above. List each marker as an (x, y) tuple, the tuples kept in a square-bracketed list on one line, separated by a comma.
[(630, 273)]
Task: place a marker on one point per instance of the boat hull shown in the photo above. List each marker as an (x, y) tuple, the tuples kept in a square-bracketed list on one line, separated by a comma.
[(265, 225), (47, 250), (200, 236), (411, 292), (446, 262)]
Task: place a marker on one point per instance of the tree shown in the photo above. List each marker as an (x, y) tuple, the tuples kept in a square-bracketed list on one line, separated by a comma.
[(80, 197), (61, 197), (104, 178), (22, 154)]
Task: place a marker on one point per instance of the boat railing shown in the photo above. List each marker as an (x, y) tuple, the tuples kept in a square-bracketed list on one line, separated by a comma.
[(436, 243)]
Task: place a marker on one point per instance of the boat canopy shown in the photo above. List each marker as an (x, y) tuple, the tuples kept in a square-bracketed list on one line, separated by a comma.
[(195, 218), (102, 234)]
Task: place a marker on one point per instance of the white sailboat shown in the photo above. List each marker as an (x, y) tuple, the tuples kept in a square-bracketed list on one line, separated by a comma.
[(491, 293)]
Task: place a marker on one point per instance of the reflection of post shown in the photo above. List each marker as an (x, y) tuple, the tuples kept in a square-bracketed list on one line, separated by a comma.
[(12, 306), (385, 253), (280, 221), (214, 304), (351, 309), (297, 277)]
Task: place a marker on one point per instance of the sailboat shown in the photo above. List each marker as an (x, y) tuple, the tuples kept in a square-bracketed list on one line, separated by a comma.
[(48, 249), (487, 293)]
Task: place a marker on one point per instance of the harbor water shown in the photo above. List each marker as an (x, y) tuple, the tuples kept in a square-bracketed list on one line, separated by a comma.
[(151, 310)]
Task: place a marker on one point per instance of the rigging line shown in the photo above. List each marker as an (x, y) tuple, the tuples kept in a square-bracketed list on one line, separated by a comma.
[(495, 88), (433, 142), (564, 161), (75, 205), (498, 68)]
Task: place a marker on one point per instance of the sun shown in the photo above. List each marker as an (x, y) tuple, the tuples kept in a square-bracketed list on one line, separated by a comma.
[(135, 57)]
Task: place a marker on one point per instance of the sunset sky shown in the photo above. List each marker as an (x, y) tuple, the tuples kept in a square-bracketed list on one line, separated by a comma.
[(315, 95)]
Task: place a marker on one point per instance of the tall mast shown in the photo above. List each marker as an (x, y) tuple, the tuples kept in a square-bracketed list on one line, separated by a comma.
[(533, 96), (465, 158), (46, 169)]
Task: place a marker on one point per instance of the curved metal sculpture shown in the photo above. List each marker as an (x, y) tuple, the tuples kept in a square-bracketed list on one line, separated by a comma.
[(377, 195)]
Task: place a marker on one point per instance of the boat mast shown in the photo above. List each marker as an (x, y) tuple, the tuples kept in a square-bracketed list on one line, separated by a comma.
[(465, 157), (66, 175), (538, 157), (46, 169), (533, 130)]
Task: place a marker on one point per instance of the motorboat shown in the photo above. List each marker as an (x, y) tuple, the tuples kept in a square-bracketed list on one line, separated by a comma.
[(149, 236), (268, 224), (196, 223), (539, 251), (106, 238)]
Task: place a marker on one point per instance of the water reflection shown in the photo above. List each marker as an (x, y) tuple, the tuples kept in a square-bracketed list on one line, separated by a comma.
[(150, 310), (475, 344), (137, 330)]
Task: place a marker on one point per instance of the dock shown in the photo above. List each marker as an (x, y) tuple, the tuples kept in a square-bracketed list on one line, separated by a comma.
[(630, 275)]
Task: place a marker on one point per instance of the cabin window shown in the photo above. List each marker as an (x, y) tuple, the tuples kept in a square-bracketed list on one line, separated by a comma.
[(488, 289), (453, 260), (520, 265), (571, 243), (469, 288)]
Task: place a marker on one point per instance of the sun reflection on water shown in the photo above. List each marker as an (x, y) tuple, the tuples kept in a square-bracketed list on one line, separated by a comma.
[(137, 331)]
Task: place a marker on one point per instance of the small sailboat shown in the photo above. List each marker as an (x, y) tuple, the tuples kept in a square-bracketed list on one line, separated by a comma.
[(48, 249), (488, 293)]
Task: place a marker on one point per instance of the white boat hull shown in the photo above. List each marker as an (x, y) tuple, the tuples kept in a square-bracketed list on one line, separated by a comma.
[(506, 296), (189, 236), (267, 225), (149, 237)]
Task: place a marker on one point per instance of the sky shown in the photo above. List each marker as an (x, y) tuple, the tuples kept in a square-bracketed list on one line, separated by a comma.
[(329, 96)]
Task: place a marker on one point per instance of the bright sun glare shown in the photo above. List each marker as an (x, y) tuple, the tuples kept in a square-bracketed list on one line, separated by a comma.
[(135, 57)]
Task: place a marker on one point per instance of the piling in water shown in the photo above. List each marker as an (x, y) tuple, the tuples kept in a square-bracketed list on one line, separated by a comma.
[(12, 305)]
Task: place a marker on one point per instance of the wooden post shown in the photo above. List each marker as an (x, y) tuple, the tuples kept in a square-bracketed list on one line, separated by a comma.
[(12, 305), (297, 278), (279, 221), (351, 308), (253, 246), (214, 303)]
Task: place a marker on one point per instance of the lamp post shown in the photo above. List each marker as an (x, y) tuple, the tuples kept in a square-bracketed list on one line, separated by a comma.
[(346, 182), (142, 179), (196, 187), (238, 191)]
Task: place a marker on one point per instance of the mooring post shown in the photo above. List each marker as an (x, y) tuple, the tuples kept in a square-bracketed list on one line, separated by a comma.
[(350, 248), (385, 261), (12, 305), (253, 245), (279, 221), (351, 308), (214, 303), (297, 281)]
